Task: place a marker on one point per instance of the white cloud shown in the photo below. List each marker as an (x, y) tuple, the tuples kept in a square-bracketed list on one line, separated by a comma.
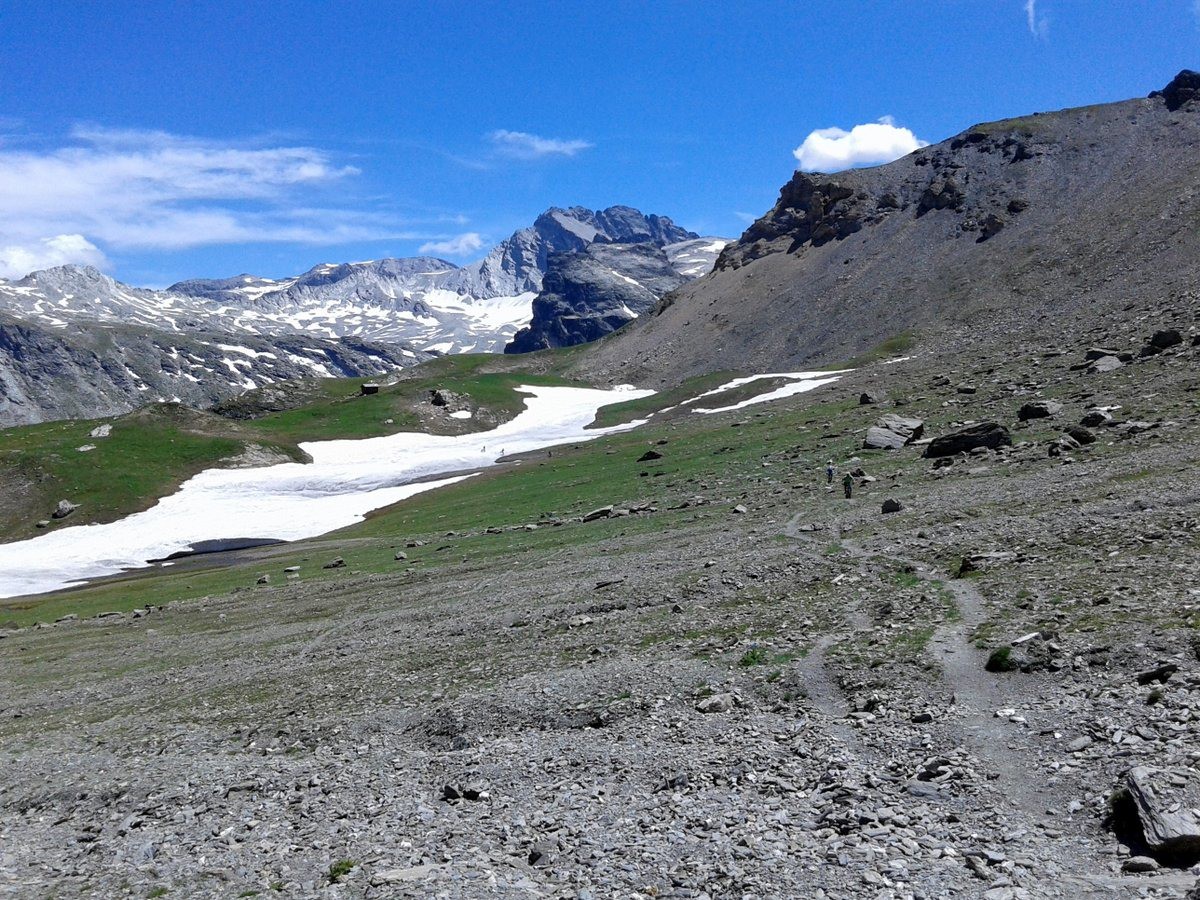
[(17, 261), (521, 145), (1196, 10), (461, 245), (832, 149), (1039, 25), (131, 190)]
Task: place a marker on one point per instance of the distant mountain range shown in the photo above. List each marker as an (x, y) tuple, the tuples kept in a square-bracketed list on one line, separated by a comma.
[(74, 342)]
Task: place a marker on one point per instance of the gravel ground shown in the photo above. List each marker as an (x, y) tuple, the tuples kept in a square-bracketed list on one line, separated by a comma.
[(759, 689)]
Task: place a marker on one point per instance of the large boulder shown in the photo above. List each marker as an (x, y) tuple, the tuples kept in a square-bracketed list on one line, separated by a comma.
[(1039, 409), (1162, 340), (989, 435), (1165, 803), (892, 432)]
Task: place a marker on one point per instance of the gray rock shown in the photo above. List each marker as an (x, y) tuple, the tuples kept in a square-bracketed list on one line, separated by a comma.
[(1167, 804), (1106, 364), (717, 703), (891, 506), (1039, 409), (1096, 418), (64, 509), (892, 432), (1162, 340), (881, 439), (1136, 864)]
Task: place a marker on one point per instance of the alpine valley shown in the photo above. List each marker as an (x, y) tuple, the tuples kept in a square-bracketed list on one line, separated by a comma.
[(862, 563)]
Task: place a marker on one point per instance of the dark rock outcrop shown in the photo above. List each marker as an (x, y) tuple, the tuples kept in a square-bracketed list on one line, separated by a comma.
[(988, 435), (1039, 409), (593, 292), (1183, 89)]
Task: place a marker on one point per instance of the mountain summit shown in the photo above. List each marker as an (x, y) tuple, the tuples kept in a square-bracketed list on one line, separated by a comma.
[(1047, 215)]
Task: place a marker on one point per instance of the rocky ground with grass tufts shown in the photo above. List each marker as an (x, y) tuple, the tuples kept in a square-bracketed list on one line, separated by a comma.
[(694, 673)]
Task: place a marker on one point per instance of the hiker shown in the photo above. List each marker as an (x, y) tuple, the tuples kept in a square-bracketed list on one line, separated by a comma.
[(829, 470), (848, 484)]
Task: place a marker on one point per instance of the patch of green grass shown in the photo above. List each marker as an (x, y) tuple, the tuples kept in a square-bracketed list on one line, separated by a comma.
[(145, 457), (340, 869), (1000, 660), (897, 345), (756, 656), (159, 891), (629, 410), (906, 579)]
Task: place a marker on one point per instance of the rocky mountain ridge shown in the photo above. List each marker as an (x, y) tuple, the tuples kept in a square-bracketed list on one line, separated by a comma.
[(1048, 215)]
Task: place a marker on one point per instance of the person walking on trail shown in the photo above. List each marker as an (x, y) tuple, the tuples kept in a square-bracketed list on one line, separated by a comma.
[(829, 470), (848, 485)]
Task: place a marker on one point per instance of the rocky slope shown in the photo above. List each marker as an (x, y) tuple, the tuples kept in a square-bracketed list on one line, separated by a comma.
[(592, 292), (734, 684), (109, 347), (85, 371), (1055, 214)]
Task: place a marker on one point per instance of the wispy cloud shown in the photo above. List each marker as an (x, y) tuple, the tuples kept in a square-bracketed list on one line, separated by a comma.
[(834, 149), (1039, 25), (1196, 11), (748, 218), (460, 245), (126, 190), (522, 145)]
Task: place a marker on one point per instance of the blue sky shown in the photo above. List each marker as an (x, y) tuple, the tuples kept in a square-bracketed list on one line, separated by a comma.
[(165, 140)]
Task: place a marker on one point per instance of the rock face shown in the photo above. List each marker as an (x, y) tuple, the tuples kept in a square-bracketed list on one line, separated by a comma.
[(93, 369), (518, 264), (1166, 805), (961, 233), (1183, 89), (987, 435), (588, 294)]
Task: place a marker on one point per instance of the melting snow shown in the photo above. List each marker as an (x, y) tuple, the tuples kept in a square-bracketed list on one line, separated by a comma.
[(345, 481), (801, 382)]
